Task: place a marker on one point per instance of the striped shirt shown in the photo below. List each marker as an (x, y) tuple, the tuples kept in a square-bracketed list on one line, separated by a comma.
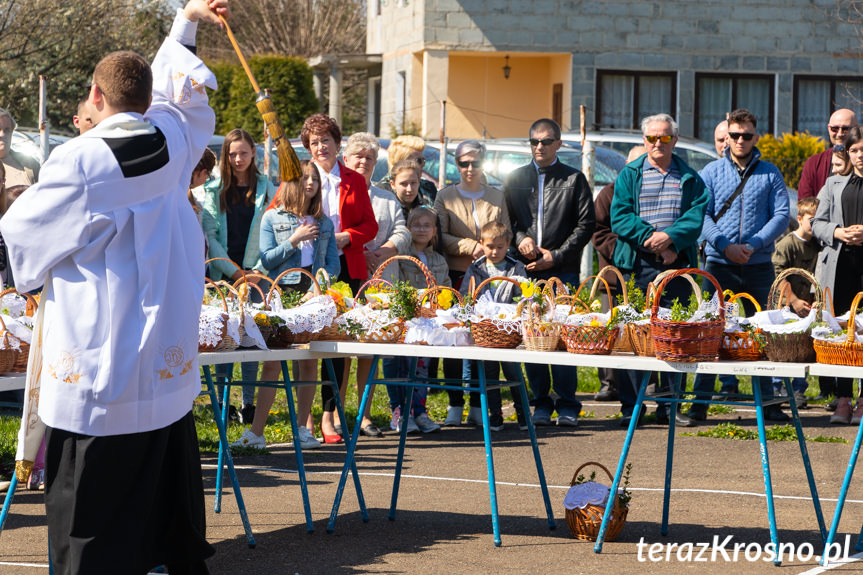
[(659, 202)]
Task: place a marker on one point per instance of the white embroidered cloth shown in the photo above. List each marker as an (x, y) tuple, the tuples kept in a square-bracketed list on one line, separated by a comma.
[(587, 493), (21, 327), (371, 320), (210, 326), (783, 321), (432, 331), (312, 315)]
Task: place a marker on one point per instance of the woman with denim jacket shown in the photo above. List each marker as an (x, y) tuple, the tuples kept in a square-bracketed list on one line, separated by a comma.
[(233, 207), (295, 233)]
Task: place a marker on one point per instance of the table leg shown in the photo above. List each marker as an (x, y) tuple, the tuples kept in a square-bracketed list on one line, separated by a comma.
[(804, 453), (350, 448), (223, 444), (621, 463), (298, 450), (522, 389), (220, 461), (407, 402), (489, 457), (669, 451), (765, 466), (843, 494), (7, 502)]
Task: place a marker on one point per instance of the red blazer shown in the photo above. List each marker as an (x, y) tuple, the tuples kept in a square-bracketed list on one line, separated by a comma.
[(357, 218)]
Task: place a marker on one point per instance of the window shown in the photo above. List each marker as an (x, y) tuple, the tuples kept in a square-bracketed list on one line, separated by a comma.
[(718, 94), (815, 98), (624, 98)]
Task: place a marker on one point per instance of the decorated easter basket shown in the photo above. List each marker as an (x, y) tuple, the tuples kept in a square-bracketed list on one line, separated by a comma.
[(284, 336), (742, 345), (213, 326), (494, 333), (586, 338), (539, 333), (790, 347), (848, 352), (388, 333), (22, 353), (585, 523)]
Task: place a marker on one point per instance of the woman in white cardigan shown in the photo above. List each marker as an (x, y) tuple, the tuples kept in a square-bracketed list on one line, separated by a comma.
[(393, 238)]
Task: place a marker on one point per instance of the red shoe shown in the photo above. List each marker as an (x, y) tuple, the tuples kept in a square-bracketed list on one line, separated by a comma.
[(330, 438)]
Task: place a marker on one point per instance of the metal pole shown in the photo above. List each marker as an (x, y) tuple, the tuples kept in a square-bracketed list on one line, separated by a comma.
[(588, 157), (268, 146), (441, 177), (43, 119)]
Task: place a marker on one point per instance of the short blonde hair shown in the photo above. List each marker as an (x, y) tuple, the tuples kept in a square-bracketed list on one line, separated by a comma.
[(807, 206), (402, 147)]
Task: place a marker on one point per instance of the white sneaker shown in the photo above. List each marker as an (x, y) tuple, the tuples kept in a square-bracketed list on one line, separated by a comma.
[(474, 416), (307, 440), (425, 424), (412, 425), (394, 422), (453, 416), (249, 439)]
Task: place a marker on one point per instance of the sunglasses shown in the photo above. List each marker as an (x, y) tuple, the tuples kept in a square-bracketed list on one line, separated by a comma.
[(840, 148), (475, 164), (737, 135), (545, 141), (836, 129), (664, 139)]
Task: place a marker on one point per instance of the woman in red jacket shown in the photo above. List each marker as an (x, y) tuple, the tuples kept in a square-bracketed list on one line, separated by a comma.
[(346, 202)]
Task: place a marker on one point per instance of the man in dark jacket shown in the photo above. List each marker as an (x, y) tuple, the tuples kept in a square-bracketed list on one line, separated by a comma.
[(551, 208), (816, 170)]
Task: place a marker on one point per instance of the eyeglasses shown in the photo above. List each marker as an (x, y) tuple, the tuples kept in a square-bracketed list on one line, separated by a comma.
[(475, 164), (837, 129), (664, 139), (737, 135), (545, 141), (839, 148)]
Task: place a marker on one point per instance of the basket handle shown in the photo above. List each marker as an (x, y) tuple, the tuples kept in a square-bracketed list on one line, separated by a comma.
[(607, 472), (774, 297), (32, 305), (438, 288), (486, 281), (746, 296), (218, 291), (596, 279), (651, 287), (430, 281), (676, 273), (620, 280), (828, 297), (852, 317), (371, 282), (530, 308), (316, 287), (232, 262)]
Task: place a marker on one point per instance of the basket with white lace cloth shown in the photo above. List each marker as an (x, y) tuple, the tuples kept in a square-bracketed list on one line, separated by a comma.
[(218, 330), (17, 313), (494, 324), (303, 322), (787, 335)]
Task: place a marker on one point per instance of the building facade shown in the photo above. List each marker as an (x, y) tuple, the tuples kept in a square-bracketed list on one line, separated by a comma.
[(499, 64)]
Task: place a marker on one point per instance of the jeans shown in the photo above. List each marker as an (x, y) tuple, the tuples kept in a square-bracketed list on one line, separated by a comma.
[(249, 372), (511, 372), (798, 384), (456, 398), (755, 280), (398, 367)]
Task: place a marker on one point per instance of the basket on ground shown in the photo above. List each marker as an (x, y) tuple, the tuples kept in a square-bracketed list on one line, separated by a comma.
[(585, 523), (686, 341)]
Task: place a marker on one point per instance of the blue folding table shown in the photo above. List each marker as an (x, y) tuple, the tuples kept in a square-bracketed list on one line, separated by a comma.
[(480, 386)]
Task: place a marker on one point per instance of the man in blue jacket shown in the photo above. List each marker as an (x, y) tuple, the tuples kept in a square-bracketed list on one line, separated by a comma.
[(657, 213), (747, 211)]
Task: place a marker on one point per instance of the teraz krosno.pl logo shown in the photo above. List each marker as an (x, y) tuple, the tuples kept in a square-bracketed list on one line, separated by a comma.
[(725, 549)]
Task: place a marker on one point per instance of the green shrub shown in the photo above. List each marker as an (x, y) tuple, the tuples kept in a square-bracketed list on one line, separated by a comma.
[(289, 80), (789, 152)]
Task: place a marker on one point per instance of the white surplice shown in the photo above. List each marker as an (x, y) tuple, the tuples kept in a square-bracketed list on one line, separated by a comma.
[(124, 261)]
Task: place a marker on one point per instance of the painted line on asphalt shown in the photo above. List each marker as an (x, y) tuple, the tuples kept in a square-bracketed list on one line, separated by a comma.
[(833, 565), (13, 564), (534, 485)]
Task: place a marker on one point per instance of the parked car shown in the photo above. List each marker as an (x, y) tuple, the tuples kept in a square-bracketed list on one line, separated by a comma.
[(302, 153), (29, 142), (694, 152), (431, 167)]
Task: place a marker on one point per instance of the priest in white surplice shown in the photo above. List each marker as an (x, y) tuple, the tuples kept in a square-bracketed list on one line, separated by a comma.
[(110, 235)]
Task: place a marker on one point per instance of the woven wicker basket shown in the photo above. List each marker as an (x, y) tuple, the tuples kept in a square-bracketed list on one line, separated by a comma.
[(640, 335), (589, 339), (23, 354), (623, 343), (431, 310), (284, 337), (848, 352), (538, 334), (791, 347), (8, 355), (226, 342), (686, 342), (430, 281), (742, 345), (485, 333), (585, 523)]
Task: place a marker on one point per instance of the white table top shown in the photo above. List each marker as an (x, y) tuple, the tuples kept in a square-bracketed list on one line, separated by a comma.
[(614, 361), (290, 354), (835, 370), (12, 381)]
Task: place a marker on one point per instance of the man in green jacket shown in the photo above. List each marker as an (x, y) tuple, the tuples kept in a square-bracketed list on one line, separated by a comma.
[(657, 213)]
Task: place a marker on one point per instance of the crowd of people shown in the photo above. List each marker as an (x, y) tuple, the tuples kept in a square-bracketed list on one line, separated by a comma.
[(113, 234)]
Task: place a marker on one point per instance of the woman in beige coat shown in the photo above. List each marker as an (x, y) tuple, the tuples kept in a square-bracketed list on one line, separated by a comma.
[(464, 208)]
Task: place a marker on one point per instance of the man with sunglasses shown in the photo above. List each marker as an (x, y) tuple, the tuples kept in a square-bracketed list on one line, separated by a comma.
[(816, 170), (657, 212), (551, 209), (747, 211)]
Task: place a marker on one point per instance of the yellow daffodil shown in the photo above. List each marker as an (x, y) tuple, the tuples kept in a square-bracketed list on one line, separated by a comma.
[(444, 299), (527, 289)]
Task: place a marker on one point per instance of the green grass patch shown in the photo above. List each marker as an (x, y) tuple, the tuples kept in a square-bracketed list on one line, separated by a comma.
[(773, 433)]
